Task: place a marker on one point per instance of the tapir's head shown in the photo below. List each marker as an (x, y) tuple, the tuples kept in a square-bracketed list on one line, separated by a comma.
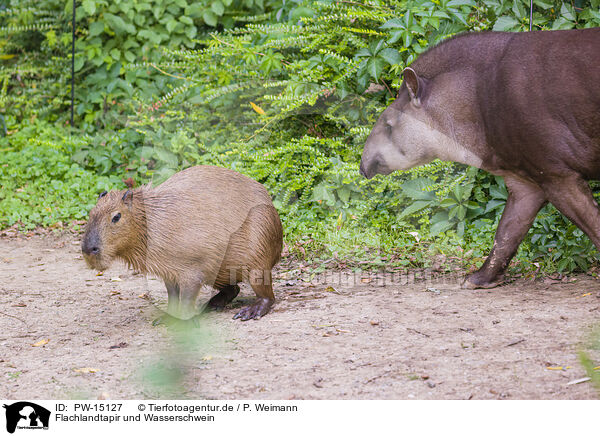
[(401, 136)]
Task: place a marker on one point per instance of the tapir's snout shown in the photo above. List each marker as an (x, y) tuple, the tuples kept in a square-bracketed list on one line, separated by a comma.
[(362, 170), (373, 165)]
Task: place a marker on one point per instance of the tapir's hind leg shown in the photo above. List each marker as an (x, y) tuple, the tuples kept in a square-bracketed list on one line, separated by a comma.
[(524, 201), (573, 197)]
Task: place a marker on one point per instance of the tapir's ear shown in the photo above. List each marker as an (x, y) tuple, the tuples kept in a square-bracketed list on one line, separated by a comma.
[(414, 84), (128, 198)]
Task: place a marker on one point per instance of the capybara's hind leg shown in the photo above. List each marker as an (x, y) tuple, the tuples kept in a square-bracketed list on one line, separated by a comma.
[(261, 283), (225, 296)]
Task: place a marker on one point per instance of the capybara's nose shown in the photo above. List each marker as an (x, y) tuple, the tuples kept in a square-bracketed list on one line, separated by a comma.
[(91, 243), (89, 249)]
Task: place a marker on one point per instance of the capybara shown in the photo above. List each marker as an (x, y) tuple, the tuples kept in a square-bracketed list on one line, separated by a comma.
[(204, 225)]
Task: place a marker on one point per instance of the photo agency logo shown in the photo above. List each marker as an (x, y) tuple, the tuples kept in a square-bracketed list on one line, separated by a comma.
[(25, 415)]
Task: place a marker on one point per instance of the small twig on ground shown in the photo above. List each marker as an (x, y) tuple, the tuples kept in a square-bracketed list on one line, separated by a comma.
[(515, 342), (15, 317), (418, 332)]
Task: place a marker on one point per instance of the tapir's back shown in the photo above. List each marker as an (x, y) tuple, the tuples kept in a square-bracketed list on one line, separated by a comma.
[(540, 102)]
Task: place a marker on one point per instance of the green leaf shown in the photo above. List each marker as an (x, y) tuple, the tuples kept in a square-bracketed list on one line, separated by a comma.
[(129, 56), (118, 25), (562, 23), (89, 6), (218, 8), (542, 4), (171, 25), (195, 10), (567, 12), (301, 12), (153, 37), (344, 193), (415, 189), (167, 157), (79, 62), (96, 28), (440, 226), (452, 3), (414, 207), (505, 23), (375, 66), (447, 202), (209, 18), (390, 55)]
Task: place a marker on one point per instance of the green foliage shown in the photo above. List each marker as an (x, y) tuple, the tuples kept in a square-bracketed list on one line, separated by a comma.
[(33, 64), (296, 100), (588, 357), (283, 91), (116, 56), (40, 184)]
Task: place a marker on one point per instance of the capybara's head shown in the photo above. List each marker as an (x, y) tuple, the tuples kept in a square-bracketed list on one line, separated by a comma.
[(112, 229)]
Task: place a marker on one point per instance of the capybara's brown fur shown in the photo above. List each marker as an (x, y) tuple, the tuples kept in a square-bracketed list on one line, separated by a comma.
[(204, 225)]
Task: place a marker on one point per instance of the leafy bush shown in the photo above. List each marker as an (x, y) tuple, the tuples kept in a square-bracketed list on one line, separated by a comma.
[(294, 104), (33, 62), (39, 182), (286, 92)]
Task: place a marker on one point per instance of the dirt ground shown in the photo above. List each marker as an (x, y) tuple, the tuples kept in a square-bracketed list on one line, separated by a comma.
[(322, 340)]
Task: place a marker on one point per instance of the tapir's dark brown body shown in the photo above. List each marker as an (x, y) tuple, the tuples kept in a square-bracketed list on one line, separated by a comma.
[(525, 106)]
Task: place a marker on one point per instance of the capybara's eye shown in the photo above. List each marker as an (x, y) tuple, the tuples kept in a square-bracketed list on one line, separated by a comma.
[(116, 218)]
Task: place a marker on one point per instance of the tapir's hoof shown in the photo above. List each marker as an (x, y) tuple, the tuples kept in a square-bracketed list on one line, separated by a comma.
[(473, 281), (256, 310)]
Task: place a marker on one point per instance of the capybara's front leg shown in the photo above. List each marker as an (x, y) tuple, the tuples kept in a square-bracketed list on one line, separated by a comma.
[(173, 303), (524, 201), (261, 283), (182, 304)]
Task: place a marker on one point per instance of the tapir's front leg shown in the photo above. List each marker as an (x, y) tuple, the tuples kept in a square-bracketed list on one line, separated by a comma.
[(524, 201)]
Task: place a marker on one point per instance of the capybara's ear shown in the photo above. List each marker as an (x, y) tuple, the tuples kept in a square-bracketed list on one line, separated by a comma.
[(128, 198), (102, 194)]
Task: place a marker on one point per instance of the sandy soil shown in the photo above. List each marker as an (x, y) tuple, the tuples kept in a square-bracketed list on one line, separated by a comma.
[(424, 340)]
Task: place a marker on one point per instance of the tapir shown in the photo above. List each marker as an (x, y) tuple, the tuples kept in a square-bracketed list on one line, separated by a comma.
[(524, 106)]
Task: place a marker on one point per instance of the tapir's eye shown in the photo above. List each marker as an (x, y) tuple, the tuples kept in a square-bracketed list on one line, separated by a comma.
[(388, 127), (116, 218)]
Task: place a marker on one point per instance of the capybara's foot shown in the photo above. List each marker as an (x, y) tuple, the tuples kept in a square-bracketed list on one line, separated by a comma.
[(174, 322), (164, 319), (259, 308), (224, 297), (479, 281)]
